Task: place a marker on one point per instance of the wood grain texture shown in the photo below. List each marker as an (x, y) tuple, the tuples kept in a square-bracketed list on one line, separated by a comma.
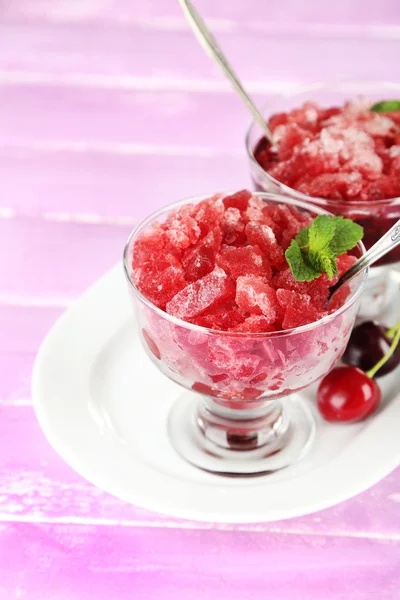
[(111, 562), (56, 260), (22, 329), (109, 110), (122, 121), (144, 53), (109, 185), (308, 12)]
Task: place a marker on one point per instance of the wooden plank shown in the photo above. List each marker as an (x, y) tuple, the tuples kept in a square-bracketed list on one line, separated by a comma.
[(22, 328), (237, 11), (36, 485), (110, 185), (122, 121), (21, 331), (56, 261), (66, 562), (174, 57), (15, 377)]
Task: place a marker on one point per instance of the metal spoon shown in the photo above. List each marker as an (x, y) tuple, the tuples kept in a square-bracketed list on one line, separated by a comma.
[(208, 41), (385, 244)]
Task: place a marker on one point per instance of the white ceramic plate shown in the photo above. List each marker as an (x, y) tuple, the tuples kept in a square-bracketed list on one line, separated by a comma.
[(103, 406)]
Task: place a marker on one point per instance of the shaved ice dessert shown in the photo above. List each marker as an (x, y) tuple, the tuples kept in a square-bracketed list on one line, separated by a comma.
[(344, 158), (344, 153), (221, 264), (220, 308)]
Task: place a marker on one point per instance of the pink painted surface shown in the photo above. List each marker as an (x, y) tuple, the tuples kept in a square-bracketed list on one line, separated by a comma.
[(121, 120), (67, 50), (111, 184), (64, 562), (308, 13), (109, 110)]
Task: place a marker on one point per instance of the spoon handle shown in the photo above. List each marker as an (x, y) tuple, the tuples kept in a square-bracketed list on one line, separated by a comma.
[(209, 43), (385, 244)]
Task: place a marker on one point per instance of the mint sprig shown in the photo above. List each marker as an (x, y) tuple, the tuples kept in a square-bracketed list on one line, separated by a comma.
[(314, 249), (300, 266), (386, 106)]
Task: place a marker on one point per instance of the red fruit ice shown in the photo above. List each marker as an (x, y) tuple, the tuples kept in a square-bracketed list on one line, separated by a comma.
[(200, 259), (344, 262), (242, 261), (347, 394), (208, 214), (203, 388), (224, 317), (318, 289), (160, 286), (339, 153), (384, 186), (245, 366), (181, 232), (151, 240), (254, 324), (232, 227), (263, 237), (234, 357), (287, 137), (306, 116), (298, 309), (240, 200), (278, 119), (221, 265), (336, 186), (201, 295), (287, 172), (152, 346), (254, 295), (250, 393), (255, 212)]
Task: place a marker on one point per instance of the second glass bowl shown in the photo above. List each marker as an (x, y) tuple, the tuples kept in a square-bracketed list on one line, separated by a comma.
[(376, 216)]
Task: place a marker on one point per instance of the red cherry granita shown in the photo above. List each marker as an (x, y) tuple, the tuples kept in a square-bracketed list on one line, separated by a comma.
[(220, 264), (343, 153), (345, 159)]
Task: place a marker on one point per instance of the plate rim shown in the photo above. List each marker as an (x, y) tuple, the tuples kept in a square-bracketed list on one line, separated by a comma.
[(204, 511)]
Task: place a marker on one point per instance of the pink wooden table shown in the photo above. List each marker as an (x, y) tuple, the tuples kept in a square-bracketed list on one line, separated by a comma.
[(109, 109)]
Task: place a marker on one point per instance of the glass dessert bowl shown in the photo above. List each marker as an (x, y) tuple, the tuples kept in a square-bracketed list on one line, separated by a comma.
[(242, 412), (365, 202)]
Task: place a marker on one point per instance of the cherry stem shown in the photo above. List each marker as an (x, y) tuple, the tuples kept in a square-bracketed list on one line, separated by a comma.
[(372, 372), (390, 333)]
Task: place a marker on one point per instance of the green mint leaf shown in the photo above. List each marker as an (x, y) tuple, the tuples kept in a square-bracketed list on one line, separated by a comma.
[(329, 266), (347, 234), (314, 249), (302, 237), (299, 265), (325, 261), (386, 106), (321, 232)]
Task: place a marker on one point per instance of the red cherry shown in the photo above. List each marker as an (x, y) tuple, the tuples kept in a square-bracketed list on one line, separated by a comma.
[(368, 344), (347, 394)]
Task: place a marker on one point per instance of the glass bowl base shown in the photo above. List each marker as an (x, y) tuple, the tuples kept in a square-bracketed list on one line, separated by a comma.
[(209, 444)]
